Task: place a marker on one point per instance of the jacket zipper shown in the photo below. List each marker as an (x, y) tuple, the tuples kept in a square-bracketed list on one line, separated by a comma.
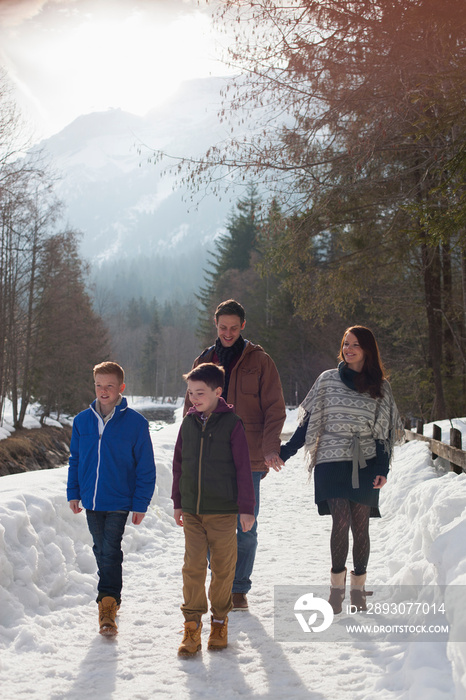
[(199, 472), (102, 426)]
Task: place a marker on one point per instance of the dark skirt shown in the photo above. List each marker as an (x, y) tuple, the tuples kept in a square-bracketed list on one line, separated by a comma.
[(333, 480)]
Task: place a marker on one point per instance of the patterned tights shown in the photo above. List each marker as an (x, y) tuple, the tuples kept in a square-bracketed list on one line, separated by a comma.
[(346, 514)]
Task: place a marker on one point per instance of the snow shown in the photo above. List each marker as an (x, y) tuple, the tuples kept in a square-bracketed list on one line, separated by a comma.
[(445, 425), (31, 419), (34, 412), (50, 647)]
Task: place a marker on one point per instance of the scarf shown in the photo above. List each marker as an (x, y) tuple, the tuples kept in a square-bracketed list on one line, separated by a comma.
[(225, 358), (347, 376)]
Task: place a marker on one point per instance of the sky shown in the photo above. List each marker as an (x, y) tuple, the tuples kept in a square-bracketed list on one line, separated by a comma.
[(71, 57)]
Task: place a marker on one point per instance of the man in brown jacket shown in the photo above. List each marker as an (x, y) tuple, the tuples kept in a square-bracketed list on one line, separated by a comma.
[(252, 385)]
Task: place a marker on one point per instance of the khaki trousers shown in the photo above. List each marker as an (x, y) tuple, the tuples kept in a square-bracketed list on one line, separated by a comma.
[(216, 533)]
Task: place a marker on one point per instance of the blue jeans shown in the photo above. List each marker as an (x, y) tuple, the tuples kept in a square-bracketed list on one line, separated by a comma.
[(247, 545), (107, 528)]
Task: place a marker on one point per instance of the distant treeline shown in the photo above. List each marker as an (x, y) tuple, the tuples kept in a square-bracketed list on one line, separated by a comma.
[(50, 336), (162, 277), (155, 343)]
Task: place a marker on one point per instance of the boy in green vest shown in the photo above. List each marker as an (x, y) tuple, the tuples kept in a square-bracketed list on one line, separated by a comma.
[(212, 483)]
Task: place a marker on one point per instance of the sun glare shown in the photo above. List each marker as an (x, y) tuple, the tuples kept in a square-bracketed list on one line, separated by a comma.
[(80, 62), (130, 64)]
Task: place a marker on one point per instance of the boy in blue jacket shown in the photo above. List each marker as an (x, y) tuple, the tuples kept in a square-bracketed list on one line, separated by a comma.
[(111, 471)]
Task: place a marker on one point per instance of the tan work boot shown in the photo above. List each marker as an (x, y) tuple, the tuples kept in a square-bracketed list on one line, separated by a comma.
[(107, 613), (191, 639), (337, 590), (357, 591), (218, 635)]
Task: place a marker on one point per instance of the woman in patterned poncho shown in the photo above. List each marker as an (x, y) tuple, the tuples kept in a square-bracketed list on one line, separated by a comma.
[(348, 424)]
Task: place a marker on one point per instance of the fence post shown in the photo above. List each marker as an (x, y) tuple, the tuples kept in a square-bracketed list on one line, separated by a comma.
[(420, 426), (437, 435), (455, 441)]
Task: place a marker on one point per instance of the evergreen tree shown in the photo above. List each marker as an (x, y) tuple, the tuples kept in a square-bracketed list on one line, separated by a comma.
[(71, 338), (231, 260), (149, 356)]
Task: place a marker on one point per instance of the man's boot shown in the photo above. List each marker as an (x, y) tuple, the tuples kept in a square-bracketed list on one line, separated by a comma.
[(337, 590), (240, 601), (357, 591), (107, 613)]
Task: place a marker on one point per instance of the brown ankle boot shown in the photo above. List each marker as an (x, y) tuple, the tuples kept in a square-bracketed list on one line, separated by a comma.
[(107, 613), (191, 639), (357, 591), (240, 601), (337, 590), (218, 635)]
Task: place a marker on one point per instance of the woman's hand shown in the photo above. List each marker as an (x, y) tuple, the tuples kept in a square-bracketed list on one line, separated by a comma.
[(379, 481)]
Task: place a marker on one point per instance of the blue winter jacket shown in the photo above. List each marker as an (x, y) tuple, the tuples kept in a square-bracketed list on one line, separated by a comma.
[(111, 464)]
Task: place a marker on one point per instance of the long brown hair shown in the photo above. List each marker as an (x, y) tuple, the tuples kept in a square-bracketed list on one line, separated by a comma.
[(370, 379)]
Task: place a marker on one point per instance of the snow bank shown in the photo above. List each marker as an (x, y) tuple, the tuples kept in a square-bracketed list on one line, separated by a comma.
[(445, 425), (424, 537), (31, 420), (46, 560)]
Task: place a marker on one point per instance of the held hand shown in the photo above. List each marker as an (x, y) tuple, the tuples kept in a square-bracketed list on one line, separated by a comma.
[(178, 515), (138, 518), (247, 521), (74, 505), (273, 461), (379, 481)]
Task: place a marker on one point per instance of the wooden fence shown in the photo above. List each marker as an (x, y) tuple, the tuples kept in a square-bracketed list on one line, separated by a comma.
[(452, 452)]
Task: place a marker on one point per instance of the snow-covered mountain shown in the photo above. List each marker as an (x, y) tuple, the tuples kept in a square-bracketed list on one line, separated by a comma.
[(126, 206)]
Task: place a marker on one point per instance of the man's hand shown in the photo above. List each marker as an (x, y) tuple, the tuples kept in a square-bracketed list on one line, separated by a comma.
[(379, 481), (178, 515), (247, 521), (138, 518), (74, 505), (273, 461)]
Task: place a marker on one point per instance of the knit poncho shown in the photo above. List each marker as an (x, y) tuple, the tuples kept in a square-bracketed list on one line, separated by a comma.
[(344, 424)]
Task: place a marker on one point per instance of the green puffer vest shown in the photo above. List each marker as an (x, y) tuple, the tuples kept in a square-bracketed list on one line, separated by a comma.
[(208, 475)]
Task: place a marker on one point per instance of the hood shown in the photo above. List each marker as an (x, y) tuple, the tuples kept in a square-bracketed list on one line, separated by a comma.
[(222, 407)]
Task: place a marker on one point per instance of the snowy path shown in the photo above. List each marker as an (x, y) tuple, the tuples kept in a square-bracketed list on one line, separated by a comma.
[(48, 620)]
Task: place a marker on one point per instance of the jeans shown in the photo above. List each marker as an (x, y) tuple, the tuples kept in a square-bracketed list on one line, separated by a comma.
[(107, 528), (247, 545)]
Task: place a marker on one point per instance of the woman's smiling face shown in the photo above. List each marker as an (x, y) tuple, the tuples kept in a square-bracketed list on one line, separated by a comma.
[(353, 353)]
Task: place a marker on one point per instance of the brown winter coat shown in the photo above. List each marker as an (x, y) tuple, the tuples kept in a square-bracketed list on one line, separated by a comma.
[(256, 393)]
